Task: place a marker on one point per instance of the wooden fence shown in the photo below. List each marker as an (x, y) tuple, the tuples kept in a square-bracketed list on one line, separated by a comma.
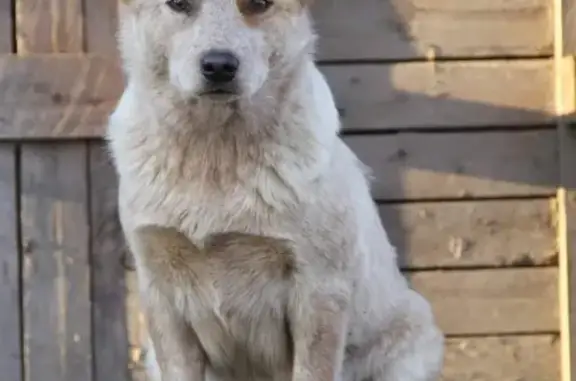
[(462, 109)]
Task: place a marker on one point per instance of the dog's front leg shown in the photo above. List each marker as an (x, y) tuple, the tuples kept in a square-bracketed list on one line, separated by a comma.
[(177, 353), (167, 288), (318, 323)]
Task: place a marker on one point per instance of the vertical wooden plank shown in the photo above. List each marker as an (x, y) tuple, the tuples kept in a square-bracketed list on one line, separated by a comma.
[(565, 108), (568, 26), (108, 272), (101, 18), (6, 26), (56, 282), (10, 280), (567, 214), (49, 26)]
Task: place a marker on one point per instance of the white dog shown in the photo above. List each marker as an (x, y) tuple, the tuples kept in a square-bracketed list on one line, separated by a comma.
[(259, 250)]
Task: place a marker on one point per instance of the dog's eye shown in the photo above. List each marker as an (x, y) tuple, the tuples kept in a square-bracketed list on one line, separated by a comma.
[(257, 6), (180, 6)]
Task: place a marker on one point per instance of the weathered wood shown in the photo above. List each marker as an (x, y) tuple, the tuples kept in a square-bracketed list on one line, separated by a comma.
[(6, 27), (568, 38), (58, 96), (409, 29), (449, 94), (49, 26), (526, 358), (472, 234), (72, 96), (456, 165), (484, 302), (10, 280), (566, 105), (108, 280), (101, 18), (57, 310)]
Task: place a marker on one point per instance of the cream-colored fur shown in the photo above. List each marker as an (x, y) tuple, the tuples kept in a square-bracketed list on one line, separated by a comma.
[(283, 271)]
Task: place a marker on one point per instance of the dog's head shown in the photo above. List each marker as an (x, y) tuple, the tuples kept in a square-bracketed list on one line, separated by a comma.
[(217, 49)]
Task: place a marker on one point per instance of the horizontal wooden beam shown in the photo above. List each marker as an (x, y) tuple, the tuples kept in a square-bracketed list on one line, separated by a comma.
[(485, 302), (472, 234), (420, 166), (53, 96), (416, 29), (71, 96), (526, 358), (447, 94)]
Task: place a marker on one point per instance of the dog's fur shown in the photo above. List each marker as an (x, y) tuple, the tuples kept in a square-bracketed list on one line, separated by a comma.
[(282, 270)]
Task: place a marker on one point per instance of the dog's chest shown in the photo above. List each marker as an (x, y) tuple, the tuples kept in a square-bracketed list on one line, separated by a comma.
[(239, 308)]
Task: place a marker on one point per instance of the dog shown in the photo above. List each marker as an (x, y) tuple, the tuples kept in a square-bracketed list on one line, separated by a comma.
[(259, 251)]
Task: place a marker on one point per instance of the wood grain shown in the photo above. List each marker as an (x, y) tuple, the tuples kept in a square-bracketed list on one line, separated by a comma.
[(6, 27), (108, 279), (57, 96), (460, 164), (526, 358), (416, 29), (485, 302), (57, 310), (473, 233), (49, 26), (568, 27), (101, 18), (72, 96), (10, 276), (448, 94)]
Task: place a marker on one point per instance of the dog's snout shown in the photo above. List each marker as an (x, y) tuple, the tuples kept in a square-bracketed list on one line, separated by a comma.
[(219, 66)]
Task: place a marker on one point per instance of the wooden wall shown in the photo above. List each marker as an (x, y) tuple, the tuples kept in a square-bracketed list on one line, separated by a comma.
[(452, 103)]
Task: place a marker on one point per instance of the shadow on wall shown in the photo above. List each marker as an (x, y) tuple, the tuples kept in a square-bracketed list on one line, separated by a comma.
[(441, 130)]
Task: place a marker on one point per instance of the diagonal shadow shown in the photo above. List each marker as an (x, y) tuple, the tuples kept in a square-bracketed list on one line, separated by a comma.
[(483, 138)]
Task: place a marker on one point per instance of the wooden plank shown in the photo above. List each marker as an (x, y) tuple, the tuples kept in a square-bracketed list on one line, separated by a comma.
[(108, 280), (447, 94), (101, 19), (58, 96), (472, 234), (460, 164), (485, 302), (567, 212), (6, 27), (10, 280), (57, 311), (49, 26), (412, 29), (526, 358), (568, 27), (72, 96)]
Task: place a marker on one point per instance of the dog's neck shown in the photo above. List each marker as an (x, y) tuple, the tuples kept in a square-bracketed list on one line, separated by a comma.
[(286, 131)]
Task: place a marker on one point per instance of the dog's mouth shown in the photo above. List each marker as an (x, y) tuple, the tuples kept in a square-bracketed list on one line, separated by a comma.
[(220, 93)]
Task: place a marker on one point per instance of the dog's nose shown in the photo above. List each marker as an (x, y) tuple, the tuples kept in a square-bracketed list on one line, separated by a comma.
[(219, 66)]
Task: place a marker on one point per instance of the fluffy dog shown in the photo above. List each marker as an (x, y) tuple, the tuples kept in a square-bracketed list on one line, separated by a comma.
[(259, 251)]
